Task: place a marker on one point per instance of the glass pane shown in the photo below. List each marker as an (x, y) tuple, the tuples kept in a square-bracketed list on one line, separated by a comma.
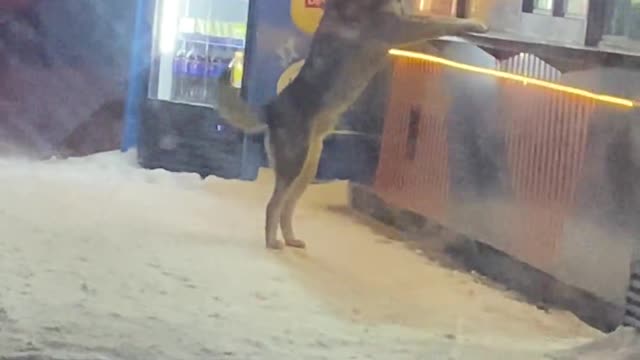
[(616, 24), (634, 20), (625, 19), (196, 41), (546, 5), (577, 7)]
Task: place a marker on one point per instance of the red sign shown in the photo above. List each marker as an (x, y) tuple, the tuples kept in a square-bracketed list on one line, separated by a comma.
[(317, 4)]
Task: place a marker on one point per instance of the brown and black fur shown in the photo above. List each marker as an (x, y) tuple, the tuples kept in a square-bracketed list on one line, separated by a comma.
[(348, 49)]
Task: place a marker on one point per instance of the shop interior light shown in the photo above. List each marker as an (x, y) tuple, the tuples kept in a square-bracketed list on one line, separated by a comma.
[(519, 78), (169, 26)]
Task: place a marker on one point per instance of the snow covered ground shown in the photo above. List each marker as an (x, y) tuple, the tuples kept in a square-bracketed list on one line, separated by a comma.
[(102, 260)]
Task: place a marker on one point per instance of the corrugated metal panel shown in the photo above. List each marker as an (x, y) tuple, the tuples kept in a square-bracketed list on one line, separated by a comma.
[(632, 313), (545, 133), (553, 199), (546, 136), (413, 168), (530, 66)]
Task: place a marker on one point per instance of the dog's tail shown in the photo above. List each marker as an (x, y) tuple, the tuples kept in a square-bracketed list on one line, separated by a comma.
[(235, 110)]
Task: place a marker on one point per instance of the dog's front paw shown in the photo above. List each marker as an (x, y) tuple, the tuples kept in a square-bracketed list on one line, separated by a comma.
[(299, 244), (475, 26), (275, 245)]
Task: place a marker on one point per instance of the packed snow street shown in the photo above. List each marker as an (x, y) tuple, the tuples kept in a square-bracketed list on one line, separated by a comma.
[(102, 260)]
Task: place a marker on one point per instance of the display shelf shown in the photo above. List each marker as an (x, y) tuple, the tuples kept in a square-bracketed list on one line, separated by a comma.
[(212, 40)]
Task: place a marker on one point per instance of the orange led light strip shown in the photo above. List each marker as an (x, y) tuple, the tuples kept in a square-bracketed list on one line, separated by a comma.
[(523, 79)]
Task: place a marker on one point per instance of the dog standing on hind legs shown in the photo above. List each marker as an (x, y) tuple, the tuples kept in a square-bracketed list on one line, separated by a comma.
[(349, 47)]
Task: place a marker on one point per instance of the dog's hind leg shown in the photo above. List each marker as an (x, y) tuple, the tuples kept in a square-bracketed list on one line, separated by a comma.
[(287, 163), (274, 211), (295, 191), (268, 151)]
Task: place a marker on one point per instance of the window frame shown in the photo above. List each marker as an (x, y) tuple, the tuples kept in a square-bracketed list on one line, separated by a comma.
[(572, 15), (541, 11), (559, 8)]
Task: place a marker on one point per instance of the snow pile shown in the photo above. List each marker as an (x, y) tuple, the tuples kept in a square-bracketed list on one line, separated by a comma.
[(100, 169), (101, 260)]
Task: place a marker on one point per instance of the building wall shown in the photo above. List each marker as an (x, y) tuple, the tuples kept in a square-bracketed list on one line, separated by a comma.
[(61, 63), (500, 15), (507, 16), (553, 29)]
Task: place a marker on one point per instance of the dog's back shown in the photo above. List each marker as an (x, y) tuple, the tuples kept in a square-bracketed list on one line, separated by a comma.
[(342, 60)]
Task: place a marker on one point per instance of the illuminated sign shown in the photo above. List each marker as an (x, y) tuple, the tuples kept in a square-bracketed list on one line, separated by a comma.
[(522, 79), (306, 14), (316, 4)]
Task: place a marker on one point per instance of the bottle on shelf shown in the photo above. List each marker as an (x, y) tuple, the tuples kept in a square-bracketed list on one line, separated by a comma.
[(215, 68), (237, 69), (179, 73), (196, 72), (188, 83), (201, 74)]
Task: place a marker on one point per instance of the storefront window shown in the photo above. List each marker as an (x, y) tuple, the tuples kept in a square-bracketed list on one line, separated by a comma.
[(557, 8), (625, 19), (543, 5), (196, 41), (577, 7)]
